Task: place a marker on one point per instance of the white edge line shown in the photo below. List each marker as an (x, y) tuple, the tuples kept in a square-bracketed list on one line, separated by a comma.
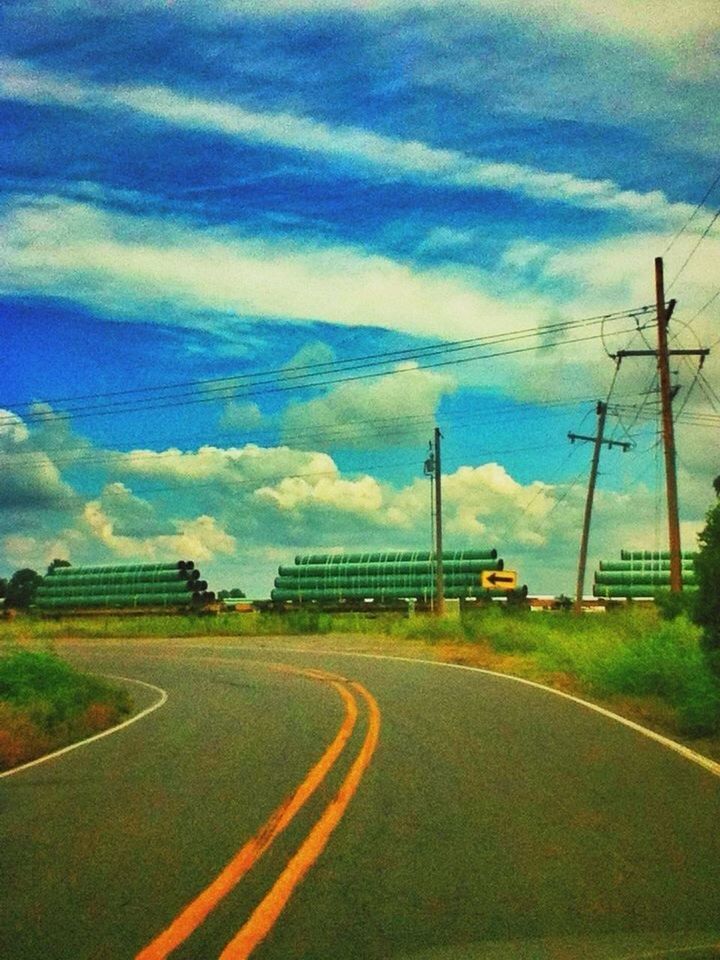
[(103, 733), (697, 758), (710, 765)]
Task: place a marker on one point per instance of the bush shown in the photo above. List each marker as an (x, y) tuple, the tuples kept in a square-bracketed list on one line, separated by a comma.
[(20, 591), (505, 629), (665, 662), (707, 570), (671, 605)]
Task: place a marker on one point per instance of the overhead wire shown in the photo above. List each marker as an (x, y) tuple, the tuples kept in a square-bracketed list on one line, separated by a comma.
[(194, 400), (311, 377), (704, 307), (692, 253), (692, 216), (709, 391), (333, 436), (291, 372)]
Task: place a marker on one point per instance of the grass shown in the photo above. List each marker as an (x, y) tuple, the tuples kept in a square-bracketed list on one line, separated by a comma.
[(46, 704), (626, 657), (630, 658), (627, 654)]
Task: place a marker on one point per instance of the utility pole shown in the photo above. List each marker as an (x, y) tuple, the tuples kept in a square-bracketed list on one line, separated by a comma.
[(601, 411), (663, 355), (663, 319), (439, 577), (429, 471), (433, 470)]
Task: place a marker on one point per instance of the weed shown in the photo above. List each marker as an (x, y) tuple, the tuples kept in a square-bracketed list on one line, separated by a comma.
[(45, 703)]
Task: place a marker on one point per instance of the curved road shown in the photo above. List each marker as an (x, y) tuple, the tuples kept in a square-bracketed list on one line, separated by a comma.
[(492, 820)]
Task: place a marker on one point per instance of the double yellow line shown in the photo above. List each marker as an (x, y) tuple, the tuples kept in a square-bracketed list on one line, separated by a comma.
[(267, 912)]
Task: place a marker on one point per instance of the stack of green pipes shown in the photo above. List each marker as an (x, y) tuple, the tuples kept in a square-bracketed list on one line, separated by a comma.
[(174, 584), (383, 576), (640, 573)]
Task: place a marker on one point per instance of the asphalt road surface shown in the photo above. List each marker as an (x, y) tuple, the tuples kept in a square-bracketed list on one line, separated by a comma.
[(291, 805)]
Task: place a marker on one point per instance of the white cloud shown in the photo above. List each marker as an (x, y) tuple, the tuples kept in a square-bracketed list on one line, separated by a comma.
[(362, 496), (37, 552), (196, 276), (391, 157), (13, 431), (30, 479), (123, 265), (200, 538), (227, 467), (245, 510), (371, 414), (312, 354), (661, 22), (241, 416)]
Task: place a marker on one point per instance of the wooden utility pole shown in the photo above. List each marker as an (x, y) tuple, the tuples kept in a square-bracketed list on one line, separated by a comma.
[(598, 440), (663, 355), (439, 577), (663, 319)]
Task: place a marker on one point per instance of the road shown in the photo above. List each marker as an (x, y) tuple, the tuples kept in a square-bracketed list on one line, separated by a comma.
[(490, 820)]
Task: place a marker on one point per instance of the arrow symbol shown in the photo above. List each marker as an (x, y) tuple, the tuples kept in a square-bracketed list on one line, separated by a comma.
[(499, 578)]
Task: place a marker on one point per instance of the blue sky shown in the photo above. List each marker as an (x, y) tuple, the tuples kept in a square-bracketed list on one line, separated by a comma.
[(206, 203)]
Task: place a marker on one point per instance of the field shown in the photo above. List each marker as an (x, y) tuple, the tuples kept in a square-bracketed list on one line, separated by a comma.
[(630, 660)]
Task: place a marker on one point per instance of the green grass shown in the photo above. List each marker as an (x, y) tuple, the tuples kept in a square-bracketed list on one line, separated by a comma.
[(629, 652), (292, 623), (45, 704)]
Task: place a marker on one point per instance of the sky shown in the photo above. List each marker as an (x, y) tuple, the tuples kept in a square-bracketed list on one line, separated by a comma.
[(253, 253)]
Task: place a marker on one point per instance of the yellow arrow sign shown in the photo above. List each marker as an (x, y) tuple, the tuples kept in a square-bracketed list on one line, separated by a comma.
[(498, 579)]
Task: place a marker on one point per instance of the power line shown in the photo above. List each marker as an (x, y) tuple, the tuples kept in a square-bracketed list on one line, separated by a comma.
[(83, 412), (225, 388), (694, 250), (692, 216), (704, 307), (348, 430)]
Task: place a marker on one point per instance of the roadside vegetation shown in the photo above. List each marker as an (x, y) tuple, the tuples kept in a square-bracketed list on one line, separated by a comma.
[(45, 704), (656, 663), (632, 659), (632, 653)]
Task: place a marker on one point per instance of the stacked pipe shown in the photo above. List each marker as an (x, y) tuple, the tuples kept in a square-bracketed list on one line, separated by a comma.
[(140, 585), (392, 575), (640, 574)]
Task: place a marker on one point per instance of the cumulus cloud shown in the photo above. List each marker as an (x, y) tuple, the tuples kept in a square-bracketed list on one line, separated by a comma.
[(226, 468), (129, 515), (244, 510), (323, 495), (37, 552), (482, 505), (30, 479), (372, 152), (384, 412), (13, 432), (200, 538), (241, 416), (315, 354)]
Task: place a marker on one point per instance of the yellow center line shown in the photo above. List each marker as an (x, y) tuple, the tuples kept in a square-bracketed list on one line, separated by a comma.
[(198, 909), (267, 912)]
